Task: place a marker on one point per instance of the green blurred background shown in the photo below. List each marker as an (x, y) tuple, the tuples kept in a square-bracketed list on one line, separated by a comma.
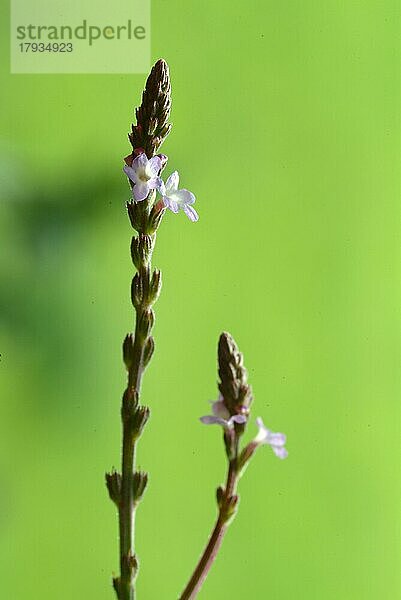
[(287, 128)]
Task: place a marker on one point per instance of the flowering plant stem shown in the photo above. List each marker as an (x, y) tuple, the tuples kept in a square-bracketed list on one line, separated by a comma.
[(134, 418), (127, 508), (231, 412), (145, 214), (223, 520)]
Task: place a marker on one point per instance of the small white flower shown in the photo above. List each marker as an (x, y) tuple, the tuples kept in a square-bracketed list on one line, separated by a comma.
[(174, 199), (144, 174), (275, 440), (221, 416)]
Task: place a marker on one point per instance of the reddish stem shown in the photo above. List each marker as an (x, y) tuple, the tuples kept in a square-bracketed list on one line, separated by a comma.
[(209, 555)]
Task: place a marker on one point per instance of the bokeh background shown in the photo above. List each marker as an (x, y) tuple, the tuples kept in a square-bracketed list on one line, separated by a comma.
[(287, 128)]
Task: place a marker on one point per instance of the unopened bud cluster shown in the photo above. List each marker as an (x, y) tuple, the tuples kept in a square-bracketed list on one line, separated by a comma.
[(113, 483), (141, 249), (140, 483), (146, 217), (233, 386), (145, 289), (153, 115)]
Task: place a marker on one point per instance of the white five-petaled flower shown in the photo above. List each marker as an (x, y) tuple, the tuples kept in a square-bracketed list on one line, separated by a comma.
[(174, 199), (221, 416), (144, 174), (275, 440)]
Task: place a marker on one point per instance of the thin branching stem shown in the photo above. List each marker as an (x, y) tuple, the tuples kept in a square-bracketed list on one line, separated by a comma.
[(216, 538)]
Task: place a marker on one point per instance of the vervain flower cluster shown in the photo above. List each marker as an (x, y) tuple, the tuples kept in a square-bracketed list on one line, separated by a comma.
[(221, 416), (144, 173), (232, 408)]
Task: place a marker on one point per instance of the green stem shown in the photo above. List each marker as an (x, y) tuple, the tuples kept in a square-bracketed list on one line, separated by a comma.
[(128, 562), (126, 518), (127, 508)]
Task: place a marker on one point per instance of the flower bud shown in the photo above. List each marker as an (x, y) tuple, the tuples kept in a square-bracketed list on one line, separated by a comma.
[(155, 286), (140, 288), (128, 350), (129, 159), (233, 386), (152, 125), (148, 350), (137, 291), (220, 496), (145, 322), (139, 419), (135, 252), (113, 483), (129, 404), (135, 215), (140, 483), (141, 250), (155, 217), (244, 399), (152, 117)]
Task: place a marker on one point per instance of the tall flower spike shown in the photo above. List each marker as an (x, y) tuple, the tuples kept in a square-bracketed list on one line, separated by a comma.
[(233, 386), (143, 168), (152, 116)]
